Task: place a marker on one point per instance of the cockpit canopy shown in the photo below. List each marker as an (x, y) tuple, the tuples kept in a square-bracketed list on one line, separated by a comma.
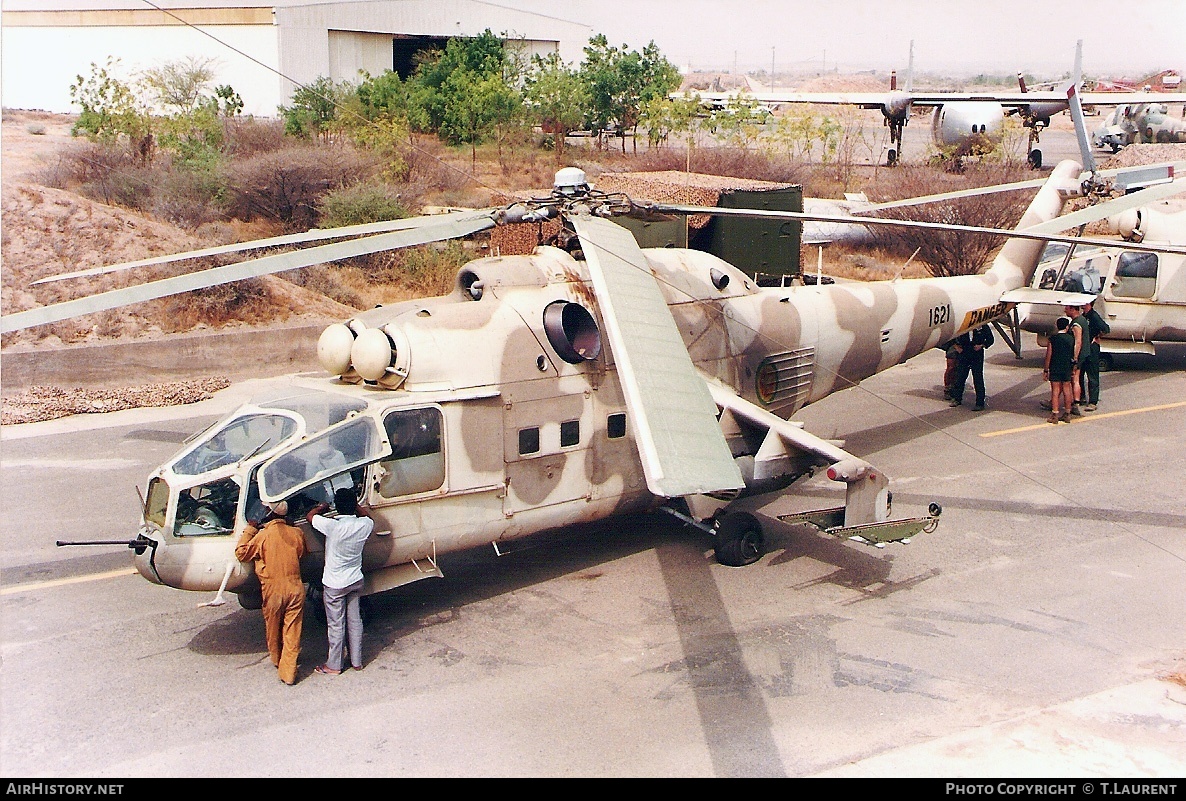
[(262, 426)]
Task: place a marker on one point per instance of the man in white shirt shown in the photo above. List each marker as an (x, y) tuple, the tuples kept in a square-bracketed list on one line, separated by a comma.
[(341, 580)]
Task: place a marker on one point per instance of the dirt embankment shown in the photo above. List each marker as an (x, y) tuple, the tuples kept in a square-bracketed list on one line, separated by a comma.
[(47, 232)]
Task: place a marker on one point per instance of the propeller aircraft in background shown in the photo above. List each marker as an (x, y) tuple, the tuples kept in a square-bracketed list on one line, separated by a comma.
[(967, 123), (588, 379)]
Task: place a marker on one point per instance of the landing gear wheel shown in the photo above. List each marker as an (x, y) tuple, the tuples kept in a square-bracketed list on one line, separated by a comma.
[(1035, 159), (891, 157), (739, 540), (1105, 362), (251, 600)]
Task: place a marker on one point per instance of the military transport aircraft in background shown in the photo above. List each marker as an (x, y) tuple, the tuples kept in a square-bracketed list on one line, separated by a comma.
[(588, 379), (967, 123)]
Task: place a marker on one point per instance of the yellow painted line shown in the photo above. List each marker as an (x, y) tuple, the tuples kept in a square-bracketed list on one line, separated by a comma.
[(41, 585), (1087, 418)]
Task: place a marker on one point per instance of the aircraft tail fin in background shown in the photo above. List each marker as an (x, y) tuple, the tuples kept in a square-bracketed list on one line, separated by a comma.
[(910, 69)]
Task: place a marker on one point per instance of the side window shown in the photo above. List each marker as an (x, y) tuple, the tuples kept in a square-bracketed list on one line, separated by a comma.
[(1136, 275), (207, 509), (417, 462), (528, 440), (615, 425), (156, 505), (570, 433)]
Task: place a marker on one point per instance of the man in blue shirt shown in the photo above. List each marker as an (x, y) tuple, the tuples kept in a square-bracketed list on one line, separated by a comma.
[(341, 580)]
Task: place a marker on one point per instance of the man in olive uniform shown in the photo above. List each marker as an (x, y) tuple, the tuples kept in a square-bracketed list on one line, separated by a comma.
[(1089, 387), (277, 548), (1082, 333)]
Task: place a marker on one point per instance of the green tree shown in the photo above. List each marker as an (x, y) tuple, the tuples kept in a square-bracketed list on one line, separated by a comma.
[(230, 104), (621, 82), (557, 99), (429, 91), (192, 127), (477, 104), (740, 122), (662, 116), (112, 111), (383, 97), (180, 86), (314, 107)]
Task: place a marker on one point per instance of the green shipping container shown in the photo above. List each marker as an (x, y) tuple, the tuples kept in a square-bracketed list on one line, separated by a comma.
[(753, 245)]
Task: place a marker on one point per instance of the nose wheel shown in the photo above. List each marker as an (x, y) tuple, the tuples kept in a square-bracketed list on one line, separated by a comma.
[(1033, 155), (893, 155)]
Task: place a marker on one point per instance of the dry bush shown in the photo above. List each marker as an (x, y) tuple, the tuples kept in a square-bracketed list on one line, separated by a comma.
[(859, 263), (286, 185), (105, 173), (242, 301), (329, 280), (948, 252), (188, 198), (366, 281), (727, 161), (247, 137), (436, 168)]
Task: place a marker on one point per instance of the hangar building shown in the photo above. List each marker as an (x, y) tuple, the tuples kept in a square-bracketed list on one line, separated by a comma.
[(259, 48)]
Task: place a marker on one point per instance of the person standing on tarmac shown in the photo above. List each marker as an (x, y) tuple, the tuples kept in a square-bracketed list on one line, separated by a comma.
[(1079, 328), (1060, 349), (952, 362), (277, 548), (970, 346), (1089, 378), (342, 579)]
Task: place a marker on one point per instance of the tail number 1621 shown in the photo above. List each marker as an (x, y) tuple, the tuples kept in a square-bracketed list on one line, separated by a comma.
[(938, 315)]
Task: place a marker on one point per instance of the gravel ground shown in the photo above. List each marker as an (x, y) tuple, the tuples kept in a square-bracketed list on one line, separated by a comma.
[(48, 403)]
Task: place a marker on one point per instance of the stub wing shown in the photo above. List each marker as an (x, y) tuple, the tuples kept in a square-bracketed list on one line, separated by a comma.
[(1052, 297), (680, 443)]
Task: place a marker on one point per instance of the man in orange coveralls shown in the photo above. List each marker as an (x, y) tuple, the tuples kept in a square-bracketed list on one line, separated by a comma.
[(277, 549)]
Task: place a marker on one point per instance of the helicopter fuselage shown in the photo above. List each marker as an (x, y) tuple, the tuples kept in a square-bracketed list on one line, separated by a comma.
[(1142, 296), (497, 411)]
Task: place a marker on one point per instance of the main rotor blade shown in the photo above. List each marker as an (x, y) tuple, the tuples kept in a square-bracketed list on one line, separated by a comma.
[(1038, 232), (674, 417), (1076, 111), (1033, 183), (251, 268), (1109, 207), (363, 229), (1150, 172)]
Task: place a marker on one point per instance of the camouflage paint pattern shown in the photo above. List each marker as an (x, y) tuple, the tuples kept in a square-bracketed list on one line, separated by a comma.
[(488, 365)]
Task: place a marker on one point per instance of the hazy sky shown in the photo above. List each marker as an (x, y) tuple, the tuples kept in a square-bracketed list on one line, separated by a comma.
[(1120, 37)]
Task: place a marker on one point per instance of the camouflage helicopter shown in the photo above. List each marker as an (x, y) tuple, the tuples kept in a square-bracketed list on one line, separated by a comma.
[(1141, 294), (589, 379), (1146, 123)]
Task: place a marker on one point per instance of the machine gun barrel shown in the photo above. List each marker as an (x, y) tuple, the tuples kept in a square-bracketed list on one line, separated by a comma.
[(138, 544)]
